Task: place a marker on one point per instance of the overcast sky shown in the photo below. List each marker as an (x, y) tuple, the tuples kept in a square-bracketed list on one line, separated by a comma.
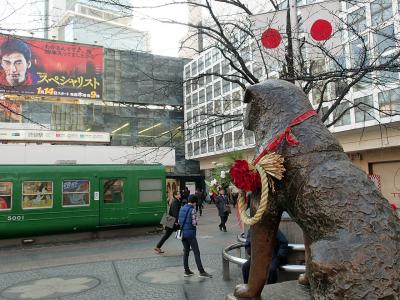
[(25, 17)]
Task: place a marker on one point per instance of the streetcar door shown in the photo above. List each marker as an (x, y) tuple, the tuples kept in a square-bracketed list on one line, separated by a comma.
[(113, 202)]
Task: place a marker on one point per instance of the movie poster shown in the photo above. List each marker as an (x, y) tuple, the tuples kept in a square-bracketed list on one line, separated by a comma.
[(49, 68)]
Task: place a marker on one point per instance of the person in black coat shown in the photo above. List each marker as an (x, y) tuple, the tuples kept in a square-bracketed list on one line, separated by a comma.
[(221, 201), (279, 257), (173, 211)]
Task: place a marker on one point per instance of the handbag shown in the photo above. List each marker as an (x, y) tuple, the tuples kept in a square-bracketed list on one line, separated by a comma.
[(167, 221), (227, 209), (179, 232)]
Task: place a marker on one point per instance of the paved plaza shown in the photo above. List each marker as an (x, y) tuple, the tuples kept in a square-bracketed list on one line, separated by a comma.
[(119, 268)]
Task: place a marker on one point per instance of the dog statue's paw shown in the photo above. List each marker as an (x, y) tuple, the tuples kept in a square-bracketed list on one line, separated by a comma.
[(303, 279), (242, 291)]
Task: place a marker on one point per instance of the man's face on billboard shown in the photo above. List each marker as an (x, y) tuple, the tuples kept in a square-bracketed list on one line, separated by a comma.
[(15, 66)]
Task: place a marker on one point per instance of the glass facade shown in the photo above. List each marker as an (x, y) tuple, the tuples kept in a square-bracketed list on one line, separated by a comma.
[(129, 125), (368, 37)]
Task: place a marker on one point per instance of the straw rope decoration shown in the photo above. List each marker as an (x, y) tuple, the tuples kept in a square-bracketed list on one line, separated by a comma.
[(269, 166)]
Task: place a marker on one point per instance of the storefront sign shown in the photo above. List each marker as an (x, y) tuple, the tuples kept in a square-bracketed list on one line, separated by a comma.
[(48, 68), (47, 135)]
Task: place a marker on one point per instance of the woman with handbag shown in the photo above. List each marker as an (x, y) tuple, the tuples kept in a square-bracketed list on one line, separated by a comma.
[(188, 222), (223, 207), (173, 212)]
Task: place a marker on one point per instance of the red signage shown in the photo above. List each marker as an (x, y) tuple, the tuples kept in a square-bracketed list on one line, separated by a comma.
[(48, 68)]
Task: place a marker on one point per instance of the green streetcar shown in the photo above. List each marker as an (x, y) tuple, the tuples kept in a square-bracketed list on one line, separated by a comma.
[(44, 199)]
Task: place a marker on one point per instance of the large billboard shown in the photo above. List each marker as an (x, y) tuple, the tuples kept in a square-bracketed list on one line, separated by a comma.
[(49, 68)]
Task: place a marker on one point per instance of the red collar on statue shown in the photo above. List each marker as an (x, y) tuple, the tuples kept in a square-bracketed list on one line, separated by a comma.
[(291, 140)]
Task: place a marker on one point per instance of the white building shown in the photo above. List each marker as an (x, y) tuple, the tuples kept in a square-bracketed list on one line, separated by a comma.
[(88, 22), (371, 138)]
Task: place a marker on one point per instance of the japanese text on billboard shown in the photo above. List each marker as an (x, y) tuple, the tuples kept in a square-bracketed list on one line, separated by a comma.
[(48, 68)]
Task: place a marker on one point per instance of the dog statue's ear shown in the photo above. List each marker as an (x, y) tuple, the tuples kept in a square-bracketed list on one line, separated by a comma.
[(247, 95), (251, 91)]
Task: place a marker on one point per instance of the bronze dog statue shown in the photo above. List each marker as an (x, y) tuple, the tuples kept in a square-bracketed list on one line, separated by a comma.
[(352, 236)]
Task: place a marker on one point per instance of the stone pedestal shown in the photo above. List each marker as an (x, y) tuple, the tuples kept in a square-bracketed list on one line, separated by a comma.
[(280, 291)]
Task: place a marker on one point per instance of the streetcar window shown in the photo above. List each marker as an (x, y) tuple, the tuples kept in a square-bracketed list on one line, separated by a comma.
[(75, 193), (5, 195), (113, 190), (150, 190), (37, 194)]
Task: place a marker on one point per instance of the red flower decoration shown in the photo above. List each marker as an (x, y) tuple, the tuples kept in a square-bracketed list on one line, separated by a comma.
[(244, 177), (394, 207)]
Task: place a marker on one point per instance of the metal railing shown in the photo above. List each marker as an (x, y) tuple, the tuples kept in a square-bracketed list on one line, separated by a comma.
[(238, 260)]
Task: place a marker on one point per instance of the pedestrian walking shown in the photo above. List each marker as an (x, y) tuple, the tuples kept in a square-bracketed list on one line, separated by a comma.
[(188, 223), (174, 212), (222, 204), (200, 197)]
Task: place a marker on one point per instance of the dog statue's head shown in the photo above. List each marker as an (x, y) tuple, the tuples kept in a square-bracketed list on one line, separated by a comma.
[(272, 105)]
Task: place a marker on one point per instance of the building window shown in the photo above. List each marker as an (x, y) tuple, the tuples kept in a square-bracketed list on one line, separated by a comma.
[(203, 146), (211, 144), (217, 71), (216, 55), (203, 114), (194, 68), (196, 132), (227, 103), (226, 86), (187, 88), (188, 134), (195, 84), (203, 130), (195, 99), (196, 150), (5, 195), (342, 108), (210, 109), (208, 77), (188, 102), (190, 149), (322, 112), (209, 93), (219, 142), (76, 193), (236, 99), (385, 46), (227, 125), (389, 102), (217, 89), (228, 140), (150, 190), (357, 21), (207, 59), (201, 81), (364, 108), (201, 64), (225, 67), (238, 141), (385, 43), (187, 72), (189, 118), (37, 194), (249, 137), (217, 106), (381, 11), (210, 128), (218, 126), (202, 96)]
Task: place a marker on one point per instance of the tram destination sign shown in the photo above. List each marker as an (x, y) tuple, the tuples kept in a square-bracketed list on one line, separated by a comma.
[(49, 68)]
